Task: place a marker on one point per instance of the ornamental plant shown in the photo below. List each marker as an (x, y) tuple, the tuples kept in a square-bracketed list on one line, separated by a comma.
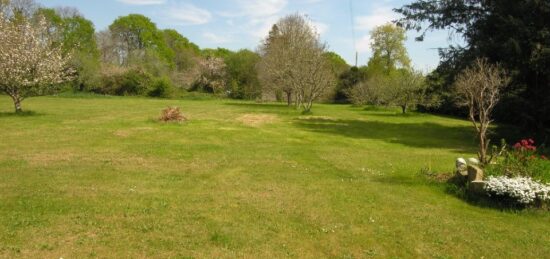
[(521, 160), (518, 190)]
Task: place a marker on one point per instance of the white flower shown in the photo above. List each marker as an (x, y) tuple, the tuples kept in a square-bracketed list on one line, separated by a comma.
[(523, 189)]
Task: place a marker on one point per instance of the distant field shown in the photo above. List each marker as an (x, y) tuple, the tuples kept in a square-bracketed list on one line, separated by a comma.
[(99, 177)]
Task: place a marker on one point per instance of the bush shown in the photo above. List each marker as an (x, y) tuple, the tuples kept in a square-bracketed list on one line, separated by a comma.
[(162, 87), (522, 160), (172, 114), (119, 81), (518, 190)]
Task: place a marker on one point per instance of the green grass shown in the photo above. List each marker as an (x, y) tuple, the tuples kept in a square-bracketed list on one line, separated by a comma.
[(99, 177)]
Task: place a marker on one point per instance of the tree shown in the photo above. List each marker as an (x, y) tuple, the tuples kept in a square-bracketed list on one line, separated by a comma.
[(133, 35), (407, 88), (186, 58), (293, 61), (242, 75), (30, 64), (346, 82), (389, 52), (513, 33), (374, 90), (76, 35), (479, 88), (213, 75), (337, 63)]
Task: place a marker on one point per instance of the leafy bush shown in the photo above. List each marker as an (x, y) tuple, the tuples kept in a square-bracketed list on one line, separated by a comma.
[(162, 87), (521, 161), (172, 114), (118, 81), (521, 190)]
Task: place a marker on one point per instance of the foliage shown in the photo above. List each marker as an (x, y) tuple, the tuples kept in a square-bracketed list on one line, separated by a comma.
[(161, 87), (337, 63), (513, 33), (346, 81), (389, 52), (406, 89), (135, 33), (293, 62), (479, 89), (172, 114), (242, 75), (123, 81), (212, 76), (521, 160), (30, 65), (372, 91)]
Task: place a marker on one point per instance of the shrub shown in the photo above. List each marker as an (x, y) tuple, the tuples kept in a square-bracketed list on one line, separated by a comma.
[(162, 87), (520, 190), (522, 160), (172, 114), (118, 81)]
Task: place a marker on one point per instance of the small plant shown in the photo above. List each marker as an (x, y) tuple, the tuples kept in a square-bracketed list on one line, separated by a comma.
[(521, 160), (172, 114), (519, 190)]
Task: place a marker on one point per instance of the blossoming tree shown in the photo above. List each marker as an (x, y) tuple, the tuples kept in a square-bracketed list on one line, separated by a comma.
[(30, 64)]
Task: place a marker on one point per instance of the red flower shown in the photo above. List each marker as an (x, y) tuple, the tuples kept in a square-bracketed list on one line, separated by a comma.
[(543, 157)]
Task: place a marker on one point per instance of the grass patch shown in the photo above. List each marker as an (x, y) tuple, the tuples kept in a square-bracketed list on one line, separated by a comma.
[(98, 177)]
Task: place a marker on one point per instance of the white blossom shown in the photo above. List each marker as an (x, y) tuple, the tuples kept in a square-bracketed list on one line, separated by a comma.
[(30, 63), (523, 189)]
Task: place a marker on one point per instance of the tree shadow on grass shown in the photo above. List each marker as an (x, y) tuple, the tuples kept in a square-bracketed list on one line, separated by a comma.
[(279, 108), (20, 114), (420, 135)]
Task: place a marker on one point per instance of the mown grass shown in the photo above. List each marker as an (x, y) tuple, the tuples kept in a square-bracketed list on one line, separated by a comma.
[(99, 177)]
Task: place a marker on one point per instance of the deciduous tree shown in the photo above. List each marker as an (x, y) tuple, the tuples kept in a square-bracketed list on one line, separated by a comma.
[(30, 64), (479, 88), (293, 61)]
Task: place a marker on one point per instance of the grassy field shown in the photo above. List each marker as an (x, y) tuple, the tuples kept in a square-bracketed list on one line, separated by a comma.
[(99, 177)]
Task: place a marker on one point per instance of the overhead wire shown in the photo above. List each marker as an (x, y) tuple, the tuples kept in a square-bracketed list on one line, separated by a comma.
[(353, 31)]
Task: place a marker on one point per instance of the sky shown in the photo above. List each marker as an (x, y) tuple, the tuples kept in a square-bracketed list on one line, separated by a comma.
[(238, 24)]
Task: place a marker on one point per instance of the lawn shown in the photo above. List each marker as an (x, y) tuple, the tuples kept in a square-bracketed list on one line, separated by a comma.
[(99, 177)]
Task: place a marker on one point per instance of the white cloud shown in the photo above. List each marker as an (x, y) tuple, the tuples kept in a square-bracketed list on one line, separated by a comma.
[(379, 16), (255, 17), (319, 27), (187, 14), (214, 38), (142, 2), (362, 45), (263, 8)]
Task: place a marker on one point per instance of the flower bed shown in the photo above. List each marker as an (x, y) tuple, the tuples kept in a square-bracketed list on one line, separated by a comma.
[(522, 190)]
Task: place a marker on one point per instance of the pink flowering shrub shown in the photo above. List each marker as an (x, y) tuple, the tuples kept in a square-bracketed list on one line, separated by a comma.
[(522, 160)]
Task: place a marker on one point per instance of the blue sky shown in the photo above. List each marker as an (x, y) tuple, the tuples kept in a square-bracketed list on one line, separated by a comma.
[(236, 24)]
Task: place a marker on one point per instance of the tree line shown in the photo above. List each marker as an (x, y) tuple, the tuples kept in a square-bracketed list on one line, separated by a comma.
[(134, 57)]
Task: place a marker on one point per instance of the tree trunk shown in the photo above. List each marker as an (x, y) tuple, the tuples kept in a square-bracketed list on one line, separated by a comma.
[(289, 98), (482, 148), (404, 108), (17, 103)]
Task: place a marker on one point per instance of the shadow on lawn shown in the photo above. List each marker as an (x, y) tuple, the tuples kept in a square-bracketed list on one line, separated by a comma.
[(279, 108), (420, 135), (19, 114)]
